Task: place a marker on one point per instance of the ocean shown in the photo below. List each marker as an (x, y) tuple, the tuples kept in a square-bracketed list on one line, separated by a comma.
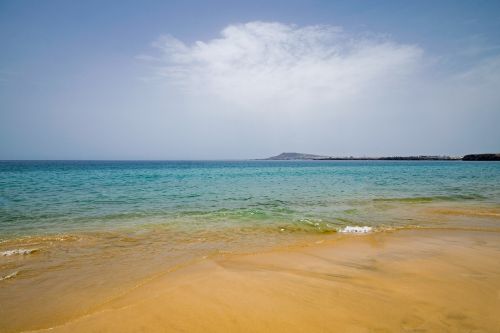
[(71, 197), (180, 209)]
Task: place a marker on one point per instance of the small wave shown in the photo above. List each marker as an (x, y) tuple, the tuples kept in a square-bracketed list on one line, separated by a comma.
[(479, 211), (8, 276), (17, 252), (356, 230), (458, 197), (38, 240)]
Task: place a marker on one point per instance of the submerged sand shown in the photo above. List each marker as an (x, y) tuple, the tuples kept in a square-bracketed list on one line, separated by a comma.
[(404, 281)]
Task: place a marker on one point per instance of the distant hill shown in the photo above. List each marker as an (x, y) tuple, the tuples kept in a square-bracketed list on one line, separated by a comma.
[(301, 156), (482, 157), (295, 156)]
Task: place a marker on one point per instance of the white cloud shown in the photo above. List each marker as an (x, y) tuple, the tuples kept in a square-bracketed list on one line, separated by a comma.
[(258, 64)]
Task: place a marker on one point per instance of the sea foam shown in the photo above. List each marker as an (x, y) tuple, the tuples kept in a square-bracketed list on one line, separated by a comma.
[(356, 229), (9, 276), (17, 251)]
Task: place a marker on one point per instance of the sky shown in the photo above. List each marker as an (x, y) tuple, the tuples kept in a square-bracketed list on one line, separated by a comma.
[(247, 79)]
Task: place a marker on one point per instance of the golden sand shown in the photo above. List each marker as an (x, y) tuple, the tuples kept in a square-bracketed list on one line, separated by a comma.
[(405, 281)]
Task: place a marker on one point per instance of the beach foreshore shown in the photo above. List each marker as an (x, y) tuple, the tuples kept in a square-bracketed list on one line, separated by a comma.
[(404, 281)]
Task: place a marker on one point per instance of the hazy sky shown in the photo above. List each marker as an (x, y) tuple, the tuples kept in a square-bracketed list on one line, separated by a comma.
[(227, 79)]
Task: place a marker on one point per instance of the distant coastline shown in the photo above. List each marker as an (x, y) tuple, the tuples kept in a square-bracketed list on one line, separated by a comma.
[(302, 156)]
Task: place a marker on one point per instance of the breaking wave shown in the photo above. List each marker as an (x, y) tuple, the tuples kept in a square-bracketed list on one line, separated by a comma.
[(355, 230), (17, 252)]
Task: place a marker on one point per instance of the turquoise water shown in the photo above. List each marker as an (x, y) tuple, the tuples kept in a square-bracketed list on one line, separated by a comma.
[(246, 196)]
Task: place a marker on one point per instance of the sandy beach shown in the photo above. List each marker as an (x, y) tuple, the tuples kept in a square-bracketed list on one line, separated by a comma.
[(404, 281)]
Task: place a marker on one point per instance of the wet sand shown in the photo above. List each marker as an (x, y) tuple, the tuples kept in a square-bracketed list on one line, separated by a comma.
[(404, 281)]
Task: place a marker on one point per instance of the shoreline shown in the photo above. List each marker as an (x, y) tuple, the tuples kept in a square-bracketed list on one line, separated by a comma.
[(289, 156), (408, 278)]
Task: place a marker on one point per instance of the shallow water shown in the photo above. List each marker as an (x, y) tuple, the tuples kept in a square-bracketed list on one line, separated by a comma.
[(52, 213)]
